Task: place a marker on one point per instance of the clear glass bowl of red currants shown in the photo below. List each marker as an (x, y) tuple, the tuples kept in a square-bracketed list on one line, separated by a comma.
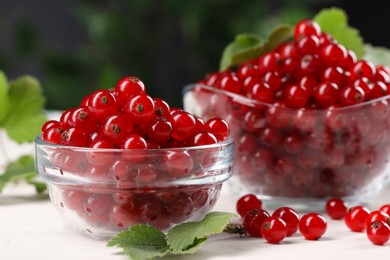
[(301, 156), (309, 118), (104, 191)]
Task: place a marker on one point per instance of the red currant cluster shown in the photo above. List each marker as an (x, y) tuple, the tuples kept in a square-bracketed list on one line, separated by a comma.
[(286, 221), (127, 117), (308, 118), (283, 222), (132, 155)]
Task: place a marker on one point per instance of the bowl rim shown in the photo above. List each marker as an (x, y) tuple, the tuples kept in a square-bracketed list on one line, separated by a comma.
[(220, 145), (254, 103)]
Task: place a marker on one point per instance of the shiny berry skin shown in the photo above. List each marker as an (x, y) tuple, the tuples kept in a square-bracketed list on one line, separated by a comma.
[(162, 108), (306, 27), (127, 87), (102, 103), (219, 127), (159, 130), (274, 230), (385, 208), (334, 54), (336, 208), (202, 138), (178, 164), (312, 226), (290, 216), (253, 220), (261, 92), (377, 215), (82, 117), (140, 109), (296, 96), (363, 68), (356, 217), (183, 125), (351, 95), (231, 83), (246, 203), (378, 232), (326, 94), (53, 132), (74, 136), (116, 127)]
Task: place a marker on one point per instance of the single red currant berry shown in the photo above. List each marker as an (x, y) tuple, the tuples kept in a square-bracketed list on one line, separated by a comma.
[(333, 54), (261, 92), (363, 68), (378, 89), (162, 108), (296, 96), (140, 108), (273, 79), (74, 136), (312, 226), (351, 95), (306, 27), (385, 208), (116, 127), (231, 83), (53, 134), (356, 217), (290, 216), (65, 116), (253, 220), (98, 157), (202, 138), (102, 103), (83, 118), (178, 164), (269, 62), (127, 87), (218, 127), (307, 44), (326, 94), (336, 208), (377, 215), (183, 125), (378, 232), (246, 203), (159, 130), (50, 123), (274, 230)]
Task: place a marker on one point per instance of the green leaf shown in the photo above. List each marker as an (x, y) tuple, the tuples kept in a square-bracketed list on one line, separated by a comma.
[(16, 170), (335, 22), (141, 242), (249, 46), (3, 97), (377, 55), (242, 48), (25, 118), (187, 237)]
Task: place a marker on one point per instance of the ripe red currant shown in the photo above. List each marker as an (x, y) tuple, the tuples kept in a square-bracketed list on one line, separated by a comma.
[(356, 217), (312, 226), (246, 203), (336, 208), (274, 230), (378, 232), (290, 216)]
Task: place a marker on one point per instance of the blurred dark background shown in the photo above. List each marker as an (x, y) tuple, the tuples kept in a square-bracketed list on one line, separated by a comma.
[(74, 47)]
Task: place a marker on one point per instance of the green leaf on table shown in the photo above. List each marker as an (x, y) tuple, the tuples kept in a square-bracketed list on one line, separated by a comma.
[(377, 55), (250, 46), (17, 170), (335, 22), (187, 237), (24, 114), (141, 242)]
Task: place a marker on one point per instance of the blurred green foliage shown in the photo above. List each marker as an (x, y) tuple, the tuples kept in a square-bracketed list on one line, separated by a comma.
[(167, 44)]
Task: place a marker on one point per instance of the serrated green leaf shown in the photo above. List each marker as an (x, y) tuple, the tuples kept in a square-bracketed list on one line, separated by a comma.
[(242, 48), (377, 55), (25, 103), (15, 170), (335, 22), (3, 97), (250, 46), (187, 237), (141, 242)]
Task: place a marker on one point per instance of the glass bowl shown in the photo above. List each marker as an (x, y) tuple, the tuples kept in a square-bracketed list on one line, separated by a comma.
[(301, 157), (104, 191)]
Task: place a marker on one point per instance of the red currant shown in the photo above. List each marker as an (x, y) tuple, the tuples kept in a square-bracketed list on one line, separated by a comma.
[(290, 216), (356, 217), (378, 232), (246, 203), (312, 226), (336, 208), (274, 230)]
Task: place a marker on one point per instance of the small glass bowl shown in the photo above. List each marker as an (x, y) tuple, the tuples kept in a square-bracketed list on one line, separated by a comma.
[(104, 191), (301, 157)]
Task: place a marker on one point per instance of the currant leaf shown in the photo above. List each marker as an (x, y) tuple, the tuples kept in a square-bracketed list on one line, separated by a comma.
[(25, 103), (244, 47), (377, 55), (17, 170), (186, 238), (249, 46), (335, 22), (141, 242)]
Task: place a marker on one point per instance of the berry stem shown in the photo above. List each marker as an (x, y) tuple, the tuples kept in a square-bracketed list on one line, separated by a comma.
[(235, 227)]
